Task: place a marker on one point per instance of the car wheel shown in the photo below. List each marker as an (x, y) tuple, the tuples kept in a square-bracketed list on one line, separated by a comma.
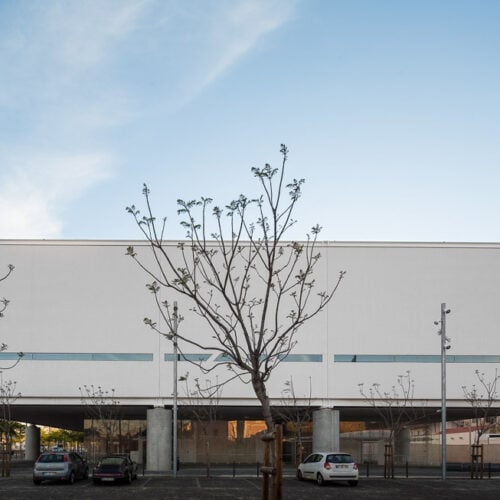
[(37, 481), (129, 478), (320, 480), (353, 483), (299, 475), (96, 481), (71, 478)]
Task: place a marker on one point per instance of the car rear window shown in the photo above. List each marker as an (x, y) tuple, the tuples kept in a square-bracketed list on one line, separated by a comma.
[(52, 458), (112, 461), (340, 459)]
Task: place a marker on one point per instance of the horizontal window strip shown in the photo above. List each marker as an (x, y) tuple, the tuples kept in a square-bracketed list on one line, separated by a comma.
[(303, 358), (187, 357), (78, 356), (222, 358), (293, 358), (10, 355), (487, 358), (414, 358), (122, 357), (88, 356)]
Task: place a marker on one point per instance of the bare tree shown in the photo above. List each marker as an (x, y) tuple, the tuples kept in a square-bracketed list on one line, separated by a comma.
[(3, 301), (481, 399), (395, 407), (254, 289), (297, 413), (104, 410), (3, 306), (201, 403), (8, 395)]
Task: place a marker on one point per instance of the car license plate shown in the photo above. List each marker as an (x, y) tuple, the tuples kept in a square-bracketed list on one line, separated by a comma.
[(48, 473), (108, 479)]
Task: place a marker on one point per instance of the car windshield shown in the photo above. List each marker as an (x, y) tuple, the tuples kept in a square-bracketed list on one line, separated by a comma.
[(339, 459), (51, 458)]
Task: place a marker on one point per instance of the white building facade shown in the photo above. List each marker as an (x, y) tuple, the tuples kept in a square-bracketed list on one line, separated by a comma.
[(77, 310)]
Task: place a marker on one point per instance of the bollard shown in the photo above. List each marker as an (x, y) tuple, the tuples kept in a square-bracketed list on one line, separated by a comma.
[(407, 469), (367, 469), (258, 469), (234, 469)]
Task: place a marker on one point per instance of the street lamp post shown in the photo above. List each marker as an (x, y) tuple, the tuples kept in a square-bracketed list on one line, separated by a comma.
[(174, 416), (444, 347)]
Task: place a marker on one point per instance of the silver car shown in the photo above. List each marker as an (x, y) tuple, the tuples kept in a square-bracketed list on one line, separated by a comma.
[(329, 466), (60, 465)]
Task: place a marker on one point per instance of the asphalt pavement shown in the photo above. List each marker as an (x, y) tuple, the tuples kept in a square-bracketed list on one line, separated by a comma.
[(192, 484)]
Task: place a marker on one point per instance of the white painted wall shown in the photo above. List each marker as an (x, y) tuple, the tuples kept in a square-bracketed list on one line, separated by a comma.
[(85, 296)]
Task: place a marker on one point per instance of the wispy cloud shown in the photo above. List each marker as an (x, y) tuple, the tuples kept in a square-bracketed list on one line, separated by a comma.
[(221, 33), (50, 55), (35, 190), (243, 27), (73, 72), (89, 30)]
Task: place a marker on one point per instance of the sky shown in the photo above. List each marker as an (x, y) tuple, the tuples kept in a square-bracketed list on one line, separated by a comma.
[(390, 110)]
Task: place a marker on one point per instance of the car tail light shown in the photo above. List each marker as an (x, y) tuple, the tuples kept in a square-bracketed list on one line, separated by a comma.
[(327, 466), (355, 466), (65, 458)]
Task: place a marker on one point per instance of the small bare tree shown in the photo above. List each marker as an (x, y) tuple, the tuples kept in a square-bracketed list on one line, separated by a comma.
[(395, 407), (253, 288), (104, 408), (481, 399), (3, 306), (3, 301), (8, 395), (201, 403), (297, 413), (17, 359)]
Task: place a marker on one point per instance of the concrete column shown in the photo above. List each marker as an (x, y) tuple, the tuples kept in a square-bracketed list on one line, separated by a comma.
[(32, 445), (326, 430), (159, 443), (402, 445)]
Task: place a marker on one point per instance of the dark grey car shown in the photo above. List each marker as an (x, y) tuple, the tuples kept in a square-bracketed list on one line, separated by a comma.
[(115, 468), (60, 465)]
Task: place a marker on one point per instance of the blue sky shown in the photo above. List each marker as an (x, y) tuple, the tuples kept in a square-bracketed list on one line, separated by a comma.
[(391, 111)]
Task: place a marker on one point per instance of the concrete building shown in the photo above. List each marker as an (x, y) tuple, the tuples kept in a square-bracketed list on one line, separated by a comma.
[(77, 310)]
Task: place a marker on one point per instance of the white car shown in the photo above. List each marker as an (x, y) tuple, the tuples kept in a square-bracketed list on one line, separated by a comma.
[(329, 466)]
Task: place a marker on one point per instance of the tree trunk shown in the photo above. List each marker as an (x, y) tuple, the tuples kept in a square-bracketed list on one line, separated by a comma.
[(260, 391)]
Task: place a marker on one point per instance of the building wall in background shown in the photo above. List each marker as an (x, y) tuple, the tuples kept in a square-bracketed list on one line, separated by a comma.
[(77, 310)]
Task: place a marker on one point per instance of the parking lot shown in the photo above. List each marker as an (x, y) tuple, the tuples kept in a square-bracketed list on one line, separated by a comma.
[(195, 487)]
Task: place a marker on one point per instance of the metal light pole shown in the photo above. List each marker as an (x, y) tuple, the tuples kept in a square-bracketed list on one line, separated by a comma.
[(174, 416), (444, 347)]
